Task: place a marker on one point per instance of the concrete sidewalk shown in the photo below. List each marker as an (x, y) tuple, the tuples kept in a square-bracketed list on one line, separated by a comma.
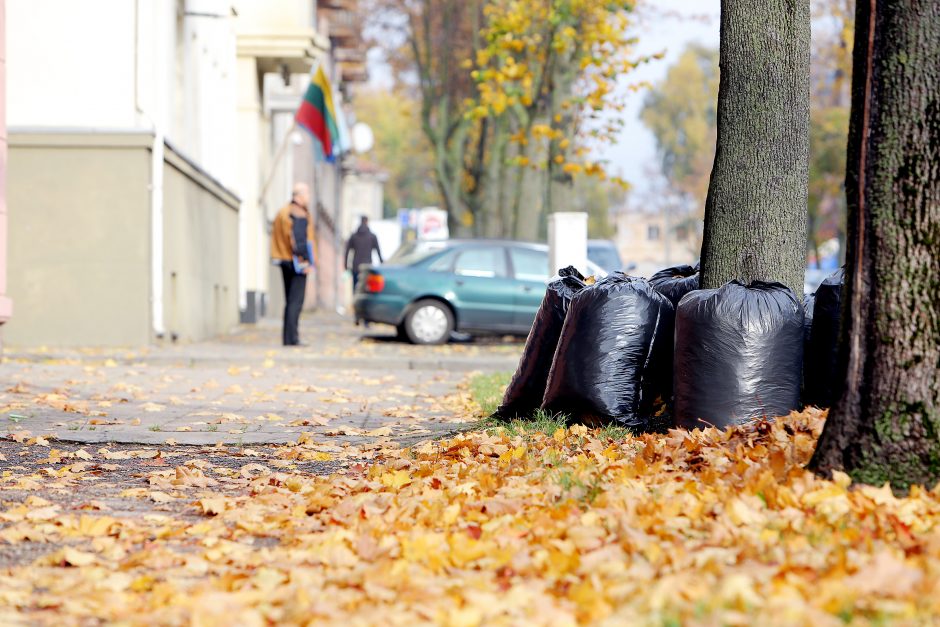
[(349, 386)]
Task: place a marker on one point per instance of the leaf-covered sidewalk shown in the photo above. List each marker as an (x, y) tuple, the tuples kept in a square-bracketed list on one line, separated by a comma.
[(486, 528)]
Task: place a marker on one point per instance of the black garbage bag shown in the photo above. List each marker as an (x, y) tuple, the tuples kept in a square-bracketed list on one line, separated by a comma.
[(675, 282), (738, 354), (614, 355), (527, 387), (820, 378), (809, 301)]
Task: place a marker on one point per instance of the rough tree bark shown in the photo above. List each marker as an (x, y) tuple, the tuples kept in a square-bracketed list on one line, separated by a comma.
[(755, 213), (886, 425)]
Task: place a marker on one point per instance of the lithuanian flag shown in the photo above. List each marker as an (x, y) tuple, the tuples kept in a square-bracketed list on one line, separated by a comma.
[(317, 114)]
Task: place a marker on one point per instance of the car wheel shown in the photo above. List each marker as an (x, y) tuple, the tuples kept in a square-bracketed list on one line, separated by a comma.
[(429, 322)]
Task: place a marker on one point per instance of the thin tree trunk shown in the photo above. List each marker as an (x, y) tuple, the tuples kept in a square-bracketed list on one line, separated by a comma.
[(886, 425), (530, 209), (492, 208), (509, 184), (525, 208), (755, 214), (559, 190), (447, 182)]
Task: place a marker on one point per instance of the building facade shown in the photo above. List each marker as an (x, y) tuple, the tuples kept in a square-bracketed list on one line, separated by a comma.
[(337, 188), (6, 305), (140, 140), (653, 240)]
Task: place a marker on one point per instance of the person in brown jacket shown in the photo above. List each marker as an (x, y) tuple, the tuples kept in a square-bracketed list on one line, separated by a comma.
[(292, 249)]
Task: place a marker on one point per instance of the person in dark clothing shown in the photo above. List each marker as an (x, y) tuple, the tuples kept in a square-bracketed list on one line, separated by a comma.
[(292, 249), (361, 243)]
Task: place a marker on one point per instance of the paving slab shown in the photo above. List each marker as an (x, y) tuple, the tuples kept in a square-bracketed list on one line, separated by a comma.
[(348, 386)]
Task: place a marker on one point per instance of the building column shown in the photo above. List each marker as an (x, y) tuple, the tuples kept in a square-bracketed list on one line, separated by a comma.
[(253, 257), (6, 305)]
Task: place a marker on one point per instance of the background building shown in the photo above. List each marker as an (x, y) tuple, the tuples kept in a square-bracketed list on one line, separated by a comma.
[(141, 134), (6, 305), (655, 239), (342, 189)]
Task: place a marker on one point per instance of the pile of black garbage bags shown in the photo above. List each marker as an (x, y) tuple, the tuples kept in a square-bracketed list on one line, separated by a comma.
[(652, 354)]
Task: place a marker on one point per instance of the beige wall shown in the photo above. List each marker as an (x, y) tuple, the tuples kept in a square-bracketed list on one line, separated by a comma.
[(647, 240), (80, 258), (79, 255), (6, 305), (200, 253)]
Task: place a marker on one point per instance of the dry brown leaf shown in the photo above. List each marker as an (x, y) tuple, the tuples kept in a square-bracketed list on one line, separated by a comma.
[(160, 497)]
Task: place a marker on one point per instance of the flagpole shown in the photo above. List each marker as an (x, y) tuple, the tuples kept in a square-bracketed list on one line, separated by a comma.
[(320, 129), (277, 159)]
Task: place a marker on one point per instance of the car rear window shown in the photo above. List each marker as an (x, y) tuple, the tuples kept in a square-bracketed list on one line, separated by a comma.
[(606, 257), (444, 263), (528, 264), (413, 252), (485, 262)]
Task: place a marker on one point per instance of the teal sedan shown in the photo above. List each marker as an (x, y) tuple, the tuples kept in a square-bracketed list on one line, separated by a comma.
[(471, 286)]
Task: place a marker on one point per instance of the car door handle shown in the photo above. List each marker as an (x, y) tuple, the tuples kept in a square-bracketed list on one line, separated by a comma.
[(526, 288), (459, 283)]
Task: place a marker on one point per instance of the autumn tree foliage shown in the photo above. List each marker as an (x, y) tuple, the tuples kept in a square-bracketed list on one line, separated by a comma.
[(512, 94), (401, 147), (886, 425), (545, 77), (426, 42), (681, 112), (830, 72)]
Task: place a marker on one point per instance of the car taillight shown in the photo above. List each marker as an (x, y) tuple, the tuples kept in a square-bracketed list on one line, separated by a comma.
[(375, 283)]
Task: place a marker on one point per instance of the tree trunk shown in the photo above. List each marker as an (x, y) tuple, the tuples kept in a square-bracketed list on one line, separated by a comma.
[(755, 214), (492, 209), (886, 424), (529, 206), (559, 184)]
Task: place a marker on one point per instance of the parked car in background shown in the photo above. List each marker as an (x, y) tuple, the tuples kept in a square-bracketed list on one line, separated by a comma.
[(604, 253), (430, 289)]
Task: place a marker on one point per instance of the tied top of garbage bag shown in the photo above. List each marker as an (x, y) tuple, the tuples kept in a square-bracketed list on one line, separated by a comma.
[(614, 354), (738, 354), (676, 282), (570, 271), (527, 387), (822, 351)]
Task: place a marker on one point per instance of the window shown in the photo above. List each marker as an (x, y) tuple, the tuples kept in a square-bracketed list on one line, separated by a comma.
[(529, 265), (652, 232), (481, 262), (444, 263)]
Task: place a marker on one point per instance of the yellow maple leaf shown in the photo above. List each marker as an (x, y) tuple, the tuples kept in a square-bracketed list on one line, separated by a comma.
[(74, 557), (213, 506), (396, 480)]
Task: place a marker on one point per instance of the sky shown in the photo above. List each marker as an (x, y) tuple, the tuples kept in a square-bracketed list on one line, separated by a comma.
[(668, 28)]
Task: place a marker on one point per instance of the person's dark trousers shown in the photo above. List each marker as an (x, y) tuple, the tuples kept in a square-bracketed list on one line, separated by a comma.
[(355, 277), (294, 287)]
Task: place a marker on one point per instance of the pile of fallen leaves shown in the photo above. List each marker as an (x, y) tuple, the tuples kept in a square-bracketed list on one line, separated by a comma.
[(486, 528)]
